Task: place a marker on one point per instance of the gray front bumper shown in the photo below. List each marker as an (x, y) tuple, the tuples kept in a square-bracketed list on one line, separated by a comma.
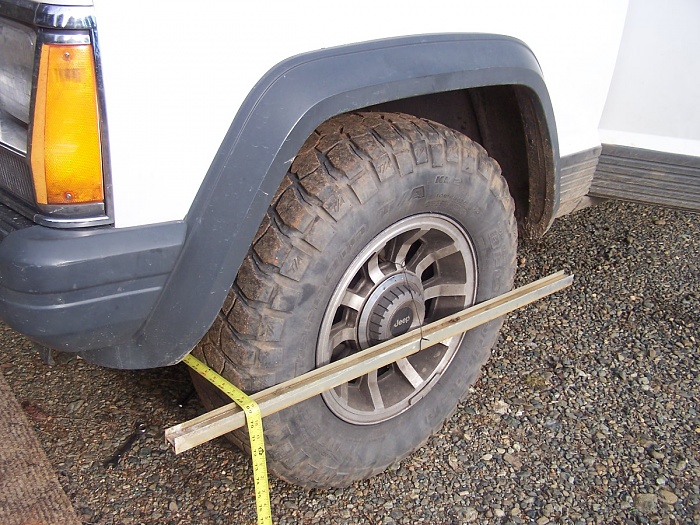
[(81, 290)]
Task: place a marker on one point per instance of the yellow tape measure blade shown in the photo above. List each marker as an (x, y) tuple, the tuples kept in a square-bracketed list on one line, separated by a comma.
[(255, 432)]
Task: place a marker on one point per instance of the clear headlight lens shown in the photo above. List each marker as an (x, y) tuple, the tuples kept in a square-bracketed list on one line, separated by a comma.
[(18, 44)]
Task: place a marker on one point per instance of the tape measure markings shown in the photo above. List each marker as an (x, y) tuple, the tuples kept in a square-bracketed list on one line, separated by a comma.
[(255, 433)]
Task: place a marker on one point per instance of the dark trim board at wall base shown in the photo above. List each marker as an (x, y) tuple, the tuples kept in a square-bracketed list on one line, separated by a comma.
[(646, 176)]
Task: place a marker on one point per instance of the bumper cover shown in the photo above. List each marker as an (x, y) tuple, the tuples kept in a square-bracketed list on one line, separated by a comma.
[(84, 290)]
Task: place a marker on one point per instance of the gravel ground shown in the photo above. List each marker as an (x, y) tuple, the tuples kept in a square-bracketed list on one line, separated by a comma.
[(587, 412)]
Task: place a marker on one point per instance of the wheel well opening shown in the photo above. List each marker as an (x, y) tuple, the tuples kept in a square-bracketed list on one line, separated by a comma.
[(509, 123)]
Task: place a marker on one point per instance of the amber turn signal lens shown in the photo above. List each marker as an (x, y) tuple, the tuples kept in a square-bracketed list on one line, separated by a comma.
[(65, 150)]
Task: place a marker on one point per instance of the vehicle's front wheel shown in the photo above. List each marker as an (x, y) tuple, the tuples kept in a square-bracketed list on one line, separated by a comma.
[(384, 222)]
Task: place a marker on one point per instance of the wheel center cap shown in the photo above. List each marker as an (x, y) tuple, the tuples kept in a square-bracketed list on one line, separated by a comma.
[(401, 321), (392, 309)]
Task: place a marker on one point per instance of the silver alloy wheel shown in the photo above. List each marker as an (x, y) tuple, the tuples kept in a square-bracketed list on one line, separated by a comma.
[(417, 271)]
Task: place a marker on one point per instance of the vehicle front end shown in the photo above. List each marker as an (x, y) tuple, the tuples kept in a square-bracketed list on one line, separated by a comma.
[(68, 278)]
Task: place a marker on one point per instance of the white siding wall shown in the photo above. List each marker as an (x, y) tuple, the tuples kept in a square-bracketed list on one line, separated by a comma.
[(654, 100)]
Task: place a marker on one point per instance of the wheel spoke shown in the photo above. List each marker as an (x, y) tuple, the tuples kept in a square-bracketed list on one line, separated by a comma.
[(410, 373), (340, 335), (352, 300), (376, 274), (445, 345), (342, 392), (400, 257), (373, 387), (429, 257), (431, 291)]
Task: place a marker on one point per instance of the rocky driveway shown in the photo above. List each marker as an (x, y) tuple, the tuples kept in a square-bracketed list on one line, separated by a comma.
[(586, 413)]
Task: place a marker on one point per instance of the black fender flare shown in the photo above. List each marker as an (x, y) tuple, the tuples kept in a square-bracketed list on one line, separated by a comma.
[(278, 115)]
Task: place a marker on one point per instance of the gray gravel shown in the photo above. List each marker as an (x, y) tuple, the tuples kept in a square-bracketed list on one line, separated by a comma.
[(587, 412)]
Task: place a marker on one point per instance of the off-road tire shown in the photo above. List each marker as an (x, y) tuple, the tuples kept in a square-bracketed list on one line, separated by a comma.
[(357, 175)]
